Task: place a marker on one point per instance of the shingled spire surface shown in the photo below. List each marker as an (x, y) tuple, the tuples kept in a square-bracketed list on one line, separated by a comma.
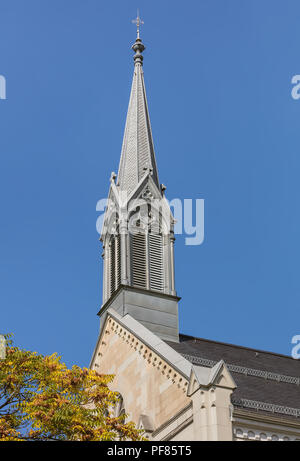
[(137, 154)]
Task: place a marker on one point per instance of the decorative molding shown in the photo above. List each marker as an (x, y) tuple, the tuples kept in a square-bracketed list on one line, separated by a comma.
[(250, 417), (147, 194), (269, 407), (244, 433), (245, 371), (146, 352)]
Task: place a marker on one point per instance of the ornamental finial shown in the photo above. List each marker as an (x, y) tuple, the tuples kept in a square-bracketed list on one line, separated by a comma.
[(138, 46)]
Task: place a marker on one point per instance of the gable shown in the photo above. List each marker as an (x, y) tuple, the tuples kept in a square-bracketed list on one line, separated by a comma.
[(148, 383)]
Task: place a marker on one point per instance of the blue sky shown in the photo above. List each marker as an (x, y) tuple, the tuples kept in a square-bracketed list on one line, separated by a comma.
[(218, 76)]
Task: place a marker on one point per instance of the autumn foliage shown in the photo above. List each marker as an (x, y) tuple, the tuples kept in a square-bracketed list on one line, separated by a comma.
[(41, 399)]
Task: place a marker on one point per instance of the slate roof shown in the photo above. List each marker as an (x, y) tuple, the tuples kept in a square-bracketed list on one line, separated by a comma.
[(262, 377), (137, 149)]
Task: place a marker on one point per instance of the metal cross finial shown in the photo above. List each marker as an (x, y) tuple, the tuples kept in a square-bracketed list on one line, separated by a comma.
[(138, 21)]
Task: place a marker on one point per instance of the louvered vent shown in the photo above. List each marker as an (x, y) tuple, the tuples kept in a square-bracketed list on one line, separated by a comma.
[(138, 260), (118, 262), (115, 264), (112, 258), (156, 262)]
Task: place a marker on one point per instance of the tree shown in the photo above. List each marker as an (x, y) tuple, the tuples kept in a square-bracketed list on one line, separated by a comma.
[(41, 399)]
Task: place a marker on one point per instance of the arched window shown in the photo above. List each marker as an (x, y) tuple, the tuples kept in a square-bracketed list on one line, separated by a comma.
[(120, 408)]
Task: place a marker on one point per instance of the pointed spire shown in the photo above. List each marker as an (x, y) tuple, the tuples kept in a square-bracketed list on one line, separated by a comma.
[(137, 154)]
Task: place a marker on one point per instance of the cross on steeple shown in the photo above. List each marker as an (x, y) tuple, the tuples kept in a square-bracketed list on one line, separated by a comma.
[(138, 21)]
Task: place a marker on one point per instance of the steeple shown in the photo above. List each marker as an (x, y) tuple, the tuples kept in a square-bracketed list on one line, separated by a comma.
[(137, 150), (138, 228)]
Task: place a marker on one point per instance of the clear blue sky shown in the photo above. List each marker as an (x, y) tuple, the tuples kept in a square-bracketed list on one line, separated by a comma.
[(218, 77)]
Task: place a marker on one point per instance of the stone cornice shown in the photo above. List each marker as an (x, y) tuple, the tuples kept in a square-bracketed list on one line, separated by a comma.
[(257, 417)]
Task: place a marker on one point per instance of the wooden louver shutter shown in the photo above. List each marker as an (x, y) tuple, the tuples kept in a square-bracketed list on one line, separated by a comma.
[(138, 260), (156, 262), (112, 261), (118, 262), (115, 264)]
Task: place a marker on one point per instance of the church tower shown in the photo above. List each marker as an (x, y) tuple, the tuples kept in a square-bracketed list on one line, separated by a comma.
[(138, 227), (173, 386)]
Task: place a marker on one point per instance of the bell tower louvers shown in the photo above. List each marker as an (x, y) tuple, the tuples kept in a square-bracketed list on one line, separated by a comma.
[(138, 227)]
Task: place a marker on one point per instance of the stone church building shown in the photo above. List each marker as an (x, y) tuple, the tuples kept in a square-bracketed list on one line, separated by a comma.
[(176, 387)]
